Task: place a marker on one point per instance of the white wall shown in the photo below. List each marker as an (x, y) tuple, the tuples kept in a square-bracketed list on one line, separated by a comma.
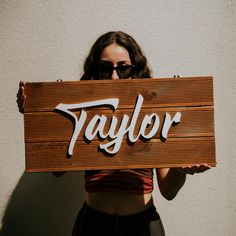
[(48, 39)]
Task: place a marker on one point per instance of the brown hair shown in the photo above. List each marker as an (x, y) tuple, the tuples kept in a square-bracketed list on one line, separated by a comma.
[(137, 58)]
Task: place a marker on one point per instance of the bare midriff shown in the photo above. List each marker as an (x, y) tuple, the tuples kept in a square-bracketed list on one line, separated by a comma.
[(119, 203)]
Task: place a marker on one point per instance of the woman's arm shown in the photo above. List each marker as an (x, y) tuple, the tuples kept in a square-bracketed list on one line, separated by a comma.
[(171, 180)]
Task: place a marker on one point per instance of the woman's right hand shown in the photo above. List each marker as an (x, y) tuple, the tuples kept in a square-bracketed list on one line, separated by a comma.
[(21, 97)]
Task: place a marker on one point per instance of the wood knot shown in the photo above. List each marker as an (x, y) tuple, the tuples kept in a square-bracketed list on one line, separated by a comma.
[(149, 95)]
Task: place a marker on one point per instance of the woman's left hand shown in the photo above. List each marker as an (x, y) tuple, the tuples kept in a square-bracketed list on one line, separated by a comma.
[(21, 96), (193, 169)]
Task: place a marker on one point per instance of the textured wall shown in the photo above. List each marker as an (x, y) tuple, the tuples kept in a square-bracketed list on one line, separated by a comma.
[(48, 40)]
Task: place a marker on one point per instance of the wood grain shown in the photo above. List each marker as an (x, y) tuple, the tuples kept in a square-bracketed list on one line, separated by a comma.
[(166, 92), (41, 126), (153, 154)]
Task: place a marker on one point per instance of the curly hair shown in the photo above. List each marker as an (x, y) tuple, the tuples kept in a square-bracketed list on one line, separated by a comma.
[(142, 69)]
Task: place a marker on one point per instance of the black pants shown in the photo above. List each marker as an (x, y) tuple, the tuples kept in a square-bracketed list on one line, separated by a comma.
[(90, 222)]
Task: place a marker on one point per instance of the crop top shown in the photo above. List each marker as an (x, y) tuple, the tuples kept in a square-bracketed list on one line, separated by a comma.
[(136, 181)]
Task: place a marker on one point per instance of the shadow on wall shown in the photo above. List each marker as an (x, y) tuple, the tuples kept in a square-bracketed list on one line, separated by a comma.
[(43, 204)]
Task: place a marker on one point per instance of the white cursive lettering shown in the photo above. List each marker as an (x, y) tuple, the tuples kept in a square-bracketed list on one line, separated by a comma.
[(96, 125)]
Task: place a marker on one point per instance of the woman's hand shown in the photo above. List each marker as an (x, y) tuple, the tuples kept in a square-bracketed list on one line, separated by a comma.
[(193, 169), (21, 96), (171, 180)]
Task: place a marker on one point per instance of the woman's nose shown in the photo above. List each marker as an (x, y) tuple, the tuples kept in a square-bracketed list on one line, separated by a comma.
[(114, 75)]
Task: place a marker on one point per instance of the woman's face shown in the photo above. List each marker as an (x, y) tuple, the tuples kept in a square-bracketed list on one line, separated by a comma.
[(115, 55)]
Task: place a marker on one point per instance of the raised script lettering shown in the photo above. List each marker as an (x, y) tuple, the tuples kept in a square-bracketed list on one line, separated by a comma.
[(96, 125)]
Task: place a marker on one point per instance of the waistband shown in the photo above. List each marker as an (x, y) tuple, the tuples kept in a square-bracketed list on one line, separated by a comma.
[(149, 214)]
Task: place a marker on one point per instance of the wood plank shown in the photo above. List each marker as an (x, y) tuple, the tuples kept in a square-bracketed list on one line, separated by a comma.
[(156, 92), (177, 152), (41, 126)]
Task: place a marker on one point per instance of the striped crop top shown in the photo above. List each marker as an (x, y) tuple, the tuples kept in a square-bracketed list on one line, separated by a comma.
[(136, 181)]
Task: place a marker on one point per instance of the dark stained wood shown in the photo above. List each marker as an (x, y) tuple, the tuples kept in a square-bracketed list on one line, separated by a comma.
[(167, 92), (173, 153), (48, 132), (41, 126)]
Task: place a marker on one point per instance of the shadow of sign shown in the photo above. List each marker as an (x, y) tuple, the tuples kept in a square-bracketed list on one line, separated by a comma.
[(42, 204)]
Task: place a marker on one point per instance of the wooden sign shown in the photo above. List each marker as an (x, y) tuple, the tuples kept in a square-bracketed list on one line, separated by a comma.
[(105, 124)]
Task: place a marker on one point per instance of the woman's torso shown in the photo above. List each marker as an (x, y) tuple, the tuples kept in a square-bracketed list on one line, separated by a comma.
[(119, 203), (121, 192)]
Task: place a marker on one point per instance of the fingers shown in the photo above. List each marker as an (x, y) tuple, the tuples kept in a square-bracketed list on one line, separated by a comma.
[(21, 97), (193, 169)]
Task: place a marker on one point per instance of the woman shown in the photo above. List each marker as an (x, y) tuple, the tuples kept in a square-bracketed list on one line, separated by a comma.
[(119, 202)]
